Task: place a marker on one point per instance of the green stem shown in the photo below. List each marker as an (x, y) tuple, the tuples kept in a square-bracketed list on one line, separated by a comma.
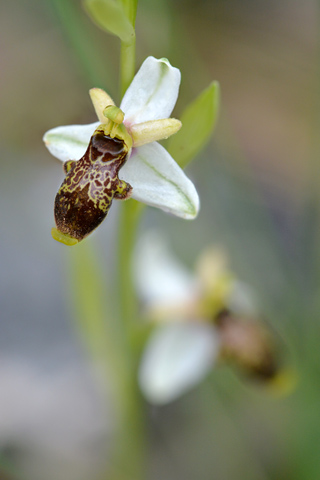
[(133, 435), (127, 65), (129, 458), (128, 52), (133, 438), (129, 218)]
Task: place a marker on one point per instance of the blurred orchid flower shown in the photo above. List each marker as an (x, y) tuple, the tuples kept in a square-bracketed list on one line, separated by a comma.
[(202, 318), (125, 138)]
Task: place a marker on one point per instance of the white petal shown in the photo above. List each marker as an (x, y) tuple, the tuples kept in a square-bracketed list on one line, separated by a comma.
[(153, 92), (177, 357), (69, 142), (158, 181), (161, 280)]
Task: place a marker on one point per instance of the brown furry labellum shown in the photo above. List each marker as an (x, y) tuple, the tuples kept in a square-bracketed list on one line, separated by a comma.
[(90, 185)]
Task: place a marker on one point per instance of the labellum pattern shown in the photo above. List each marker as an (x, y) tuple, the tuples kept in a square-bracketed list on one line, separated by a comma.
[(90, 185)]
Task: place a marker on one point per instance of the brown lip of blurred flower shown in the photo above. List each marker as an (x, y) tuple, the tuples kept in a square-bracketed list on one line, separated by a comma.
[(247, 344)]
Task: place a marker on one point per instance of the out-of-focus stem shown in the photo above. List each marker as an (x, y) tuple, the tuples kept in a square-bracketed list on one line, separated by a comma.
[(128, 223), (108, 342)]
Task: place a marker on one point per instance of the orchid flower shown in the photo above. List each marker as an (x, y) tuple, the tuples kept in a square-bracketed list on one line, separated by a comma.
[(200, 319), (125, 138)]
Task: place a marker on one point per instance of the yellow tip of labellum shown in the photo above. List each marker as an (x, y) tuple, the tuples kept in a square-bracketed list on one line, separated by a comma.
[(63, 238), (283, 384)]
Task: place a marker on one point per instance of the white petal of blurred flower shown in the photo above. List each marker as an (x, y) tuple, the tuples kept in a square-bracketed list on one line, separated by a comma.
[(163, 283), (177, 357)]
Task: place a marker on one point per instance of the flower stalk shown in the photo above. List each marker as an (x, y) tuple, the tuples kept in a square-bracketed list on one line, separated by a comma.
[(133, 439), (127, 65)]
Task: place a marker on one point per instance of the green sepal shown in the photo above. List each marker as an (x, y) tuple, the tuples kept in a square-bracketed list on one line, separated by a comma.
[(110, 15), (198, 121)]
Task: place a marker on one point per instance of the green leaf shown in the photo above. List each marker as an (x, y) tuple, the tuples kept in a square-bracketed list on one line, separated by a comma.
[(198, 121), (130, 7), (111, 16)]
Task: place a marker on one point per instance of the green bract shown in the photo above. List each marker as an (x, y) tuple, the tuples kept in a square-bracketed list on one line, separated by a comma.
[(110, 15), (130, 7), (198, 121)]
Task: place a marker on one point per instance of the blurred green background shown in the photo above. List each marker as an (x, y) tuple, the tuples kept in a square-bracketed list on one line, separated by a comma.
[(258, 182)]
